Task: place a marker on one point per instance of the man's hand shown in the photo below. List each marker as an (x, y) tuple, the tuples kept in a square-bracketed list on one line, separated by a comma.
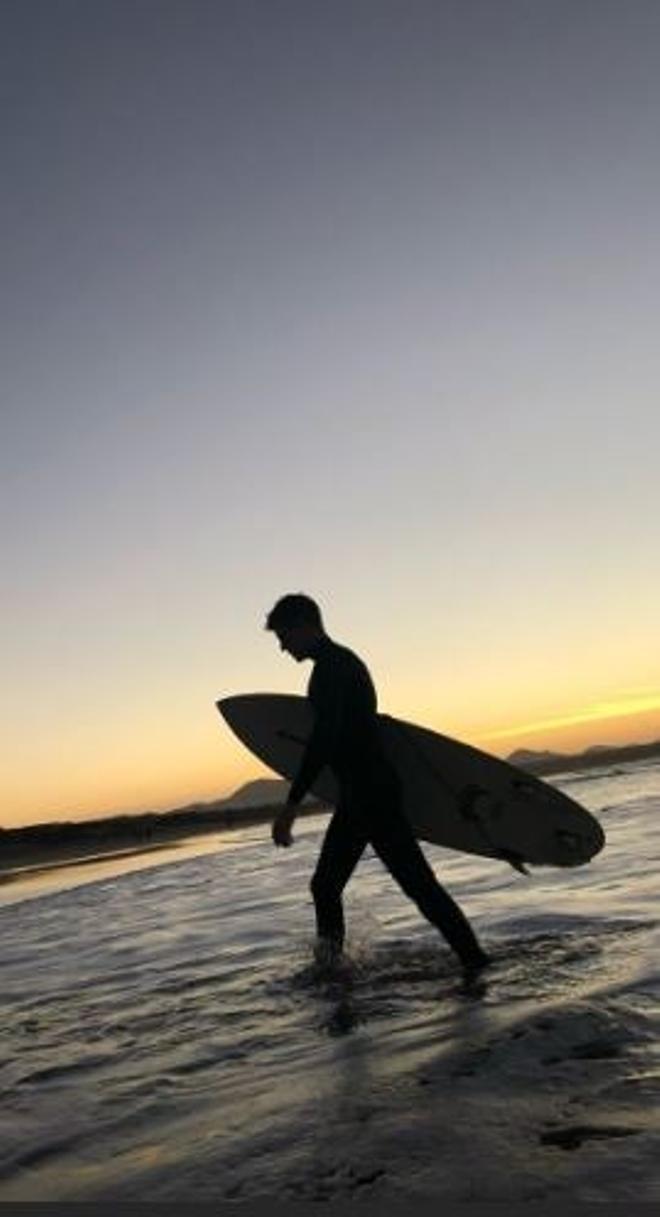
[(282, 825)]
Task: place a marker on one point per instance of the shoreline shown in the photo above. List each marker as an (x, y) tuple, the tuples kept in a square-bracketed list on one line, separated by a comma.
[(45, 847), (553, 764)]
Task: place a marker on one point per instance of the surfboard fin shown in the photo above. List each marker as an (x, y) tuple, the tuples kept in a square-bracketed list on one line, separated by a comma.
[(515, 861)]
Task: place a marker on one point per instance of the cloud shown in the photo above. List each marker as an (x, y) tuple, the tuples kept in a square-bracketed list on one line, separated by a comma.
[(625, 704)]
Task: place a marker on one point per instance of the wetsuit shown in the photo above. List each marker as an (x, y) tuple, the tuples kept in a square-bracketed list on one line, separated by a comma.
[(346, 737)]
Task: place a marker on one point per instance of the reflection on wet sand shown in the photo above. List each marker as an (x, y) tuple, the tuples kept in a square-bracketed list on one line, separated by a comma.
[(47, 876), (40, 868)]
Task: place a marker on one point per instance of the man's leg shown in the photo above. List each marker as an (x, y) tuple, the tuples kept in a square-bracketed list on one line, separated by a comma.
[(342, 848), (396, 845)]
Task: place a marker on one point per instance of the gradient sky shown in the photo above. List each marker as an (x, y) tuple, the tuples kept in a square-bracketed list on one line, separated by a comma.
[(357, 298)]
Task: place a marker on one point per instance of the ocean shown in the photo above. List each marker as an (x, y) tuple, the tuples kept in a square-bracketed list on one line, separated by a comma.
[(166, 1035)]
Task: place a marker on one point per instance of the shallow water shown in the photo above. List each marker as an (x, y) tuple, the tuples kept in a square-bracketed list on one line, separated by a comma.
[(165, 1034)]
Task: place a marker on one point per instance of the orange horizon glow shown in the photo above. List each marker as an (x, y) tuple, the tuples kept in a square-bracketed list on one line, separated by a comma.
[(616, 713), (294, 372), (223, 765)]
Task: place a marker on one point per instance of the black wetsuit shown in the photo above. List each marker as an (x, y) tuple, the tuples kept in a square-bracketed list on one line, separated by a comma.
[(346, 737)]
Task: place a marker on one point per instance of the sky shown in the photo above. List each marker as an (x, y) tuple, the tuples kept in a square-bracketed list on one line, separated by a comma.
[(357, 299)]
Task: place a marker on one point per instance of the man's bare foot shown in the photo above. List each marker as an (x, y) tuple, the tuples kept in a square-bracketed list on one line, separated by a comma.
[(474, 965)]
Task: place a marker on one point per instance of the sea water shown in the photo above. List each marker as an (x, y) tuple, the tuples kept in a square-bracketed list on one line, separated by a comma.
[(165, 1034)]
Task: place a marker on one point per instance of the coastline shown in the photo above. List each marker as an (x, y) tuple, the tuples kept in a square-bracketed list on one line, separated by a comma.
[(47, 846), (594, 758)]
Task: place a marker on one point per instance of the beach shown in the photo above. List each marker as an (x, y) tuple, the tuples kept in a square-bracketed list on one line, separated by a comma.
[(166, 1035)]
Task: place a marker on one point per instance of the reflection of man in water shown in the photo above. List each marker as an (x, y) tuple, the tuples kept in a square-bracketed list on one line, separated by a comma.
[(346, 738)]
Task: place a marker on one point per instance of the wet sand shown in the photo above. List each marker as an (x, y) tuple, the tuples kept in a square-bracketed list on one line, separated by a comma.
[(176, 1017)]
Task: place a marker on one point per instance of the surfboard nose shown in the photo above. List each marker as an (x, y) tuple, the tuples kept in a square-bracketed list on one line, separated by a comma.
[(224, 705), (236, 707)]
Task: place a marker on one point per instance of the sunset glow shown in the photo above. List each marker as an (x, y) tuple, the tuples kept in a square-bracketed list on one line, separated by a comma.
[(334, 303), (609, 721)]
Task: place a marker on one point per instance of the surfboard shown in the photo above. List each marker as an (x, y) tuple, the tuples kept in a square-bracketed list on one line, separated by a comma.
[(453, 794)]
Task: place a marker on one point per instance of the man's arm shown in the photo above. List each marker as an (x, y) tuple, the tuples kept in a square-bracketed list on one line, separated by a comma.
[(318, 751), (314, 758)]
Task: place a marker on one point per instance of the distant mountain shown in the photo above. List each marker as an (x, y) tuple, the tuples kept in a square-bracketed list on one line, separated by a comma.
[(523, 757), (597, 755), (252, 803), (264, 792)]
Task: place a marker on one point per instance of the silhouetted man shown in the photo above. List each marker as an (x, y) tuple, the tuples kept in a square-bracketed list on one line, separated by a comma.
[(346, 737)]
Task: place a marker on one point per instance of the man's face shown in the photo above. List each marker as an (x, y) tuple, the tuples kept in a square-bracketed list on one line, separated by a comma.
[(295, 640)]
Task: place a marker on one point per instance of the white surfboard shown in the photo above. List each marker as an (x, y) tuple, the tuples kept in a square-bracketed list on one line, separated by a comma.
[(454, 795)]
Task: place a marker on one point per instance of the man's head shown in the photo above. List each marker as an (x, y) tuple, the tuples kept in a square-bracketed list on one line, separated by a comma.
[(296, 621)]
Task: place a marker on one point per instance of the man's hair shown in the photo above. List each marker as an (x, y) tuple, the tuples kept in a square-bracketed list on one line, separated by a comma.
[(294, 609)]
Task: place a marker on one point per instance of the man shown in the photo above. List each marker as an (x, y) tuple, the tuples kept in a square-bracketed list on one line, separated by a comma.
[(346, 737)]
